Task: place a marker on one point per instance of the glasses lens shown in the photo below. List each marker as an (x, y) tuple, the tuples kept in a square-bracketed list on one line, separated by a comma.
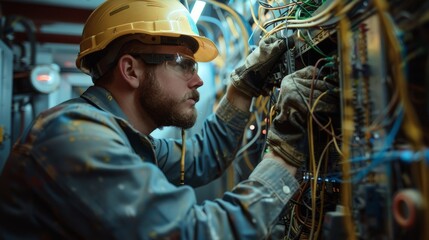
[(184, 65)]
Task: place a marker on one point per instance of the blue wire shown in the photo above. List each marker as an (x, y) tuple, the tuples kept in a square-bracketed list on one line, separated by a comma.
[(251, 36), (218, 23), (406, 156), (205, 31), (378, 157), (383, 156)]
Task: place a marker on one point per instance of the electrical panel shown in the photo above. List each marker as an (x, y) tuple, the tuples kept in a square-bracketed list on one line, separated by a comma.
[(367, 176)]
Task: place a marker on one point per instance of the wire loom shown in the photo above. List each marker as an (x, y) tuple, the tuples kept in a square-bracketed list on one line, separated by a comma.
[(343, 170)]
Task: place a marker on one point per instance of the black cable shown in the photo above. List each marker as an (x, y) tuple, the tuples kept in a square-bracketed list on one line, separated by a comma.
[(30, 30)]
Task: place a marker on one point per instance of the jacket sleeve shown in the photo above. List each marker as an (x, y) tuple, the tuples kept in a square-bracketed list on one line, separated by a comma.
[(209, 153), (94, 186)]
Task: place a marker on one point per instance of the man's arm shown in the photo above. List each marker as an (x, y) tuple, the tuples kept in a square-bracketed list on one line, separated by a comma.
[(238, 99), (210, 153)]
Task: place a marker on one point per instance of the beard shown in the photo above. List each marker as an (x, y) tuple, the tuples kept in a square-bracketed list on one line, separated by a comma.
[(165, 110)]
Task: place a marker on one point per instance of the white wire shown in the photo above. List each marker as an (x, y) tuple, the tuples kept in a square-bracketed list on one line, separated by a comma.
[(258, 133)]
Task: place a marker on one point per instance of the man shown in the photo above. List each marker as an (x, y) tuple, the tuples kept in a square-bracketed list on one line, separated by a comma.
[(88, 169)]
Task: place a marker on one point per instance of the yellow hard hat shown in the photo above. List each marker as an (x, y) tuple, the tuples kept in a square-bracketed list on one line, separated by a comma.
[(151, 18)]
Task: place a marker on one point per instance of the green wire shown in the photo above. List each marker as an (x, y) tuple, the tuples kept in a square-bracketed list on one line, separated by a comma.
[(300, 7), (317, 49), (305, 9), (311, 5)]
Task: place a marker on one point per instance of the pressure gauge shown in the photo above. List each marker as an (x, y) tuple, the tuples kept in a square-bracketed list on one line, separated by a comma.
[(45, 78)]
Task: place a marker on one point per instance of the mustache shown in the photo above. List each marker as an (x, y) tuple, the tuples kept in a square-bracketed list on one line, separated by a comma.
[(194, 95)]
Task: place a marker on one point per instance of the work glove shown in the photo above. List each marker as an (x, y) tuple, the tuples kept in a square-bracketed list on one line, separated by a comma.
[(287, 135), (250, 78)]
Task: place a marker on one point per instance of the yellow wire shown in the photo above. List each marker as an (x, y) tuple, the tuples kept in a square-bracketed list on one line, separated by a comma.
[(260, 104), (225, 7), (313, 170), (314, 21), (269, 22), (411, 125), (230, 178), (302, 25), (182, 159), (322, 194), (335, 142), (272, 113), (313, 163), (254, 18), (322, 14), (348, 123)]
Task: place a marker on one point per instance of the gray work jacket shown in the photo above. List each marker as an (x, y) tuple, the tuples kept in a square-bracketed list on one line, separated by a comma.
[(83, 172)]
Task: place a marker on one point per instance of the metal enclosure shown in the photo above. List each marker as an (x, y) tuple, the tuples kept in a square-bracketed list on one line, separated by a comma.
[(6, 67)]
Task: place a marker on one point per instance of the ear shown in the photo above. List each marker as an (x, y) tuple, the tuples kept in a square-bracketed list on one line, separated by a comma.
[(130, 70)]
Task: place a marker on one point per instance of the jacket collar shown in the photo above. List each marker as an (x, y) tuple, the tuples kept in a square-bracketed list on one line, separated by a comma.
[(104, 100)]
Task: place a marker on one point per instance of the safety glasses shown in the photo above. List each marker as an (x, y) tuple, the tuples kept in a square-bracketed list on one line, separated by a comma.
[(182, 64)]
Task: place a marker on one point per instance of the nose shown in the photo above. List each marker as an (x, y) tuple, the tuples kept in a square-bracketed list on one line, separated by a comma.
[(195, 82)]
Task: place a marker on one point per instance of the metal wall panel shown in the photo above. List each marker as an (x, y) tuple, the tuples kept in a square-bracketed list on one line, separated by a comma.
[(6, 69)]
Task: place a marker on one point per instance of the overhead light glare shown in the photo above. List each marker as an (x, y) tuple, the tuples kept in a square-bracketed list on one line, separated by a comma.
[(197, 10)]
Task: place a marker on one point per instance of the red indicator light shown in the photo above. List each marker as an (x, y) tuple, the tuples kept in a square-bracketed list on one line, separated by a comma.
[(44, 78)]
